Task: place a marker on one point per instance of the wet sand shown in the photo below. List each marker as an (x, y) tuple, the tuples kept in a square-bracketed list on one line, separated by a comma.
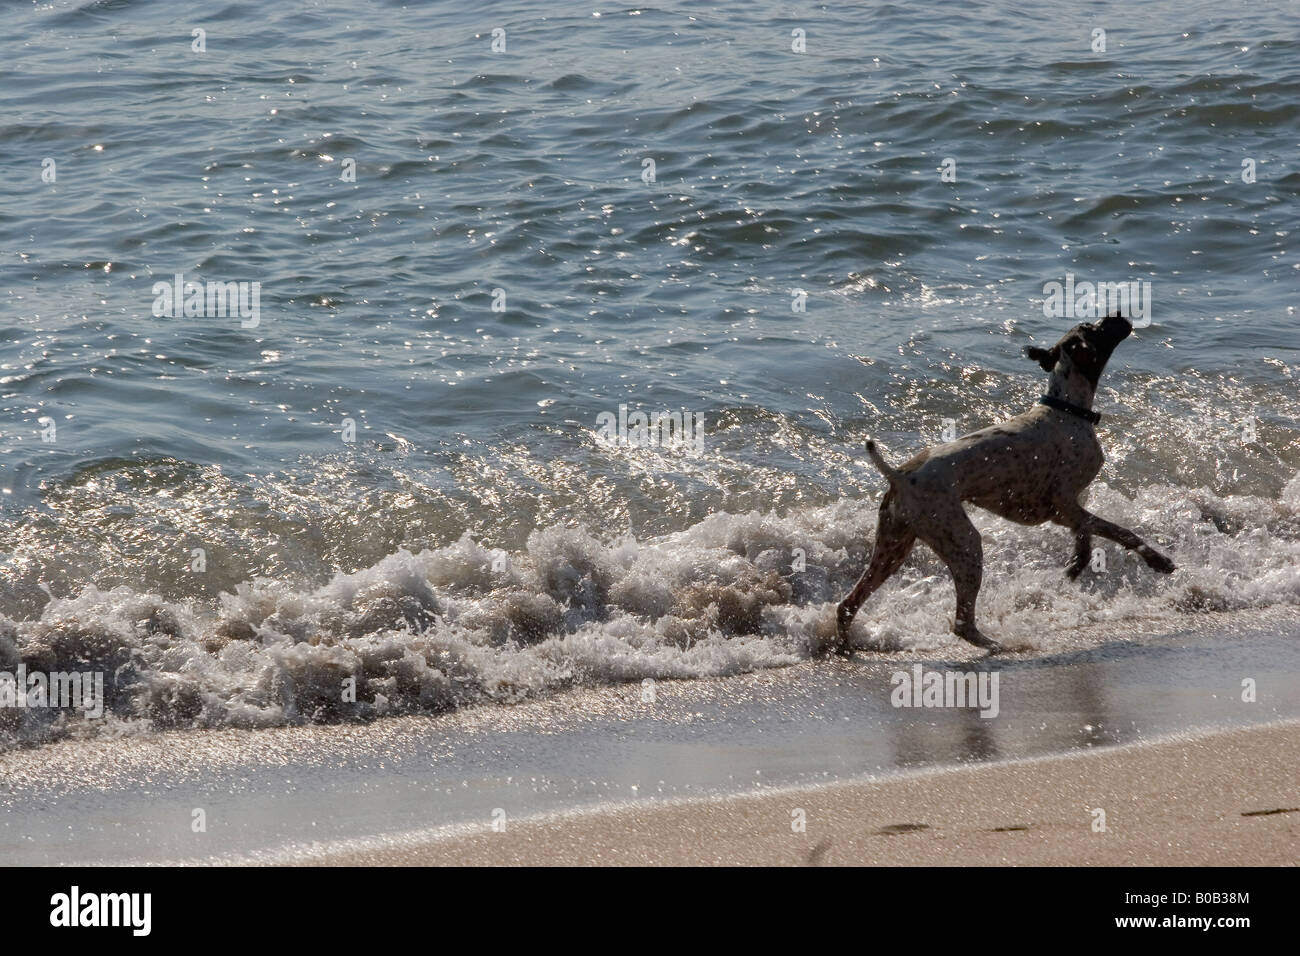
[(1222, 798), (286, 793)]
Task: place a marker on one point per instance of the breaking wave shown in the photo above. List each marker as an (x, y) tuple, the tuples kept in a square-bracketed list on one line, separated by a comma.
[(466, 624)]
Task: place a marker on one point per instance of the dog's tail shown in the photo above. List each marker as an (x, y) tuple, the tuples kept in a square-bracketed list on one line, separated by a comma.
[(885, 468)]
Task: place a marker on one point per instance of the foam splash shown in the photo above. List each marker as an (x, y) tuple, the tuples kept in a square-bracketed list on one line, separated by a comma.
[(466, 624)]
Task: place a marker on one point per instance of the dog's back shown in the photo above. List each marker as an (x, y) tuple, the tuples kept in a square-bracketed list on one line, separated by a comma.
[(1017, 469)]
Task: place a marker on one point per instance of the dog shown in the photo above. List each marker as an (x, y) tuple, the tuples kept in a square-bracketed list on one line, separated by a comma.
[(1030, 469)]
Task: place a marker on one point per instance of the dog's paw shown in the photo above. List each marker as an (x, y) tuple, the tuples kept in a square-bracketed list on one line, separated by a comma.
[(977, 637), (838, 646), (1074, 569), (1159, 563), (843, 645), (1015, 647)]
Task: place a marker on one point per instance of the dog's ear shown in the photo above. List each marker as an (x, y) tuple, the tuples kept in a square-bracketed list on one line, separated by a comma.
[(1043, 357)]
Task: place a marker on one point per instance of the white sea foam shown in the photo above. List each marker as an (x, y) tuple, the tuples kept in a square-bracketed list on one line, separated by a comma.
[(463, 624)]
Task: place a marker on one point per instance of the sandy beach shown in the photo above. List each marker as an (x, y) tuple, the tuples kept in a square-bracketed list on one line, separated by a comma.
[(1219, 798), (1147, 729)]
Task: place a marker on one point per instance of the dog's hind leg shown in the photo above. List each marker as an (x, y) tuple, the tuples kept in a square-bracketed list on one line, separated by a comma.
[(893, 543), (956, 541)]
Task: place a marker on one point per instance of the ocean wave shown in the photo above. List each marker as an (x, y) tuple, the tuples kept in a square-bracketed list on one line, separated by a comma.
[(468, 624)]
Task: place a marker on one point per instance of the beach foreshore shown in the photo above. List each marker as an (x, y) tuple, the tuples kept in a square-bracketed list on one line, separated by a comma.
[(711, 770), (1224, 797)]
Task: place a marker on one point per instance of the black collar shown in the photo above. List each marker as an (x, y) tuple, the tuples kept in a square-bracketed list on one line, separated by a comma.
[(1061, 405)]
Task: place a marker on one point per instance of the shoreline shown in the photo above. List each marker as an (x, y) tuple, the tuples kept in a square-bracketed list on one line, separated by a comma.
[(282, 794), (1220, 797)]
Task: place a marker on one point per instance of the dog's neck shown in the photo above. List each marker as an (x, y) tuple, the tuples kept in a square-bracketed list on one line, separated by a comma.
[(1069, 384)]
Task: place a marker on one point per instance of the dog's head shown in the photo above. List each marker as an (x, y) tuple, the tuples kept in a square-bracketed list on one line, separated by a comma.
[(1085, 348)]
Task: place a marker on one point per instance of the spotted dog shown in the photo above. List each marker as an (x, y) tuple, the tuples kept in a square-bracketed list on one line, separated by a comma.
[(1029, 469)]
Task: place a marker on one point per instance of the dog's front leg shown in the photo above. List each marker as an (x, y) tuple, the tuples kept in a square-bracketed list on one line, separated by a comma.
[(1082, 554), (1094, 524)]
